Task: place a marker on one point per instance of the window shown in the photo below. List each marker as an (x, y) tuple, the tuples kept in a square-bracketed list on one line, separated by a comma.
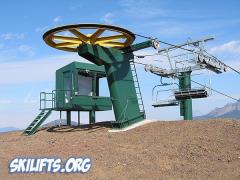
[(84, 85)]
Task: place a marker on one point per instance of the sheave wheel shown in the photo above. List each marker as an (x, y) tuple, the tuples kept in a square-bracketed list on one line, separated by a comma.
[(69, 37)]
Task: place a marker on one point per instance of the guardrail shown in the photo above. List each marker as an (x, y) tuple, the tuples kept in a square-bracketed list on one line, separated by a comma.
[(47, 100), (52, 100)]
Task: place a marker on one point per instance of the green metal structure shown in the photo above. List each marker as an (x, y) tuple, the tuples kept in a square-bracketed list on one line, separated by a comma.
[(112, 57), (186, 104), (77, 89), (70, 93), (32, 128), (127, 102), (184, 59), (70, 96)]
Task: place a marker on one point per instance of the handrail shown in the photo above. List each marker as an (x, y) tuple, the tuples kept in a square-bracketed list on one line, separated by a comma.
[(44, 98), (52, 97)]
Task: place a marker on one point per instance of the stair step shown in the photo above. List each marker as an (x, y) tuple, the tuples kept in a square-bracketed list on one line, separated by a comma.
[(36, 122)]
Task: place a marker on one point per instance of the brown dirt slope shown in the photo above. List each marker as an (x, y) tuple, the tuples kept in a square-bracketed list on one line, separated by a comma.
[(160, 150)]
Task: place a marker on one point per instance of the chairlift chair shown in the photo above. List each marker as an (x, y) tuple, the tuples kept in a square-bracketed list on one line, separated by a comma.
[(191, 94), (163, 103)]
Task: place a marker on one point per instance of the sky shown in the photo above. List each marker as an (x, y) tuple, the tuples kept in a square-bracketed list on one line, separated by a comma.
[(28, 65)]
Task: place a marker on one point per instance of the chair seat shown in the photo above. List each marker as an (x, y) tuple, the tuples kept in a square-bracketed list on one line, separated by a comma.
[(166, 103), (190, 94)]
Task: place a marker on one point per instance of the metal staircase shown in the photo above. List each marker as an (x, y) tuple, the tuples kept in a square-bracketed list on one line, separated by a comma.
[(42, 116), (137, 87)]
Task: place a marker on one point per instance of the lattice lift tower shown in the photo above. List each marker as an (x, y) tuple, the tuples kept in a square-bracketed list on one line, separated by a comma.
[(183, 60)]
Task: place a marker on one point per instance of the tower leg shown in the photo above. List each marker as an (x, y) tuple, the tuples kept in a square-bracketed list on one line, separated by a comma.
[(120, 82), (60, 118), (123, 94), (78, 118), (92, 118), (185, 105), (69, 118)]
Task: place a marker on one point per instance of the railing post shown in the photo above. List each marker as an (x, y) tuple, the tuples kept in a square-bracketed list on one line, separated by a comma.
[(40, 100), (45, 101), (78, 118)]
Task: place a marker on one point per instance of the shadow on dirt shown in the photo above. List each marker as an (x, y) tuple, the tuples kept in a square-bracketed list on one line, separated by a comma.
[(84, 127)]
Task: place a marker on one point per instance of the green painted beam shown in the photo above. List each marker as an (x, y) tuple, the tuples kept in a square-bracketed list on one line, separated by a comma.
[(92, 117), (120, 80), (69, 118), (138, 46), (90, 103), (185, 105)]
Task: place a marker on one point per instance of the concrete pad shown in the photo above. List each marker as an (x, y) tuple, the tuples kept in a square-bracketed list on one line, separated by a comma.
[(141, 123)]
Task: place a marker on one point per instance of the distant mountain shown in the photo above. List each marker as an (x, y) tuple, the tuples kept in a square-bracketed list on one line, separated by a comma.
[(57, 122), (8, 129), (230, 110)]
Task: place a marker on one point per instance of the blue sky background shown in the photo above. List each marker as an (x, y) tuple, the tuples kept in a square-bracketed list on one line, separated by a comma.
[(27, 64)]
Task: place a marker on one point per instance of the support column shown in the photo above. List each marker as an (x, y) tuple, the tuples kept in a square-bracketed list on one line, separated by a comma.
[(120, 80), (60, 118), (69, 118), (92, 117), (78, 118), (185, 105)]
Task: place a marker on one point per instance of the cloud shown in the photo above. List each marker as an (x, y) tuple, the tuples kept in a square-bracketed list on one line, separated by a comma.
[(108, 18), (42, 29), (36, 70), (141, 9), (26, 49), (229, 47), (5, 101), (74, 7), (13, 36), (57, 19)]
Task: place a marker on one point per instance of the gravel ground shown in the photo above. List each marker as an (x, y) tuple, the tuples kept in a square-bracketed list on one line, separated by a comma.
[(159, 150)]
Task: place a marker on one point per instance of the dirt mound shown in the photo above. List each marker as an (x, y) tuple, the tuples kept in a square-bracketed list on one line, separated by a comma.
[(159, 150)]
